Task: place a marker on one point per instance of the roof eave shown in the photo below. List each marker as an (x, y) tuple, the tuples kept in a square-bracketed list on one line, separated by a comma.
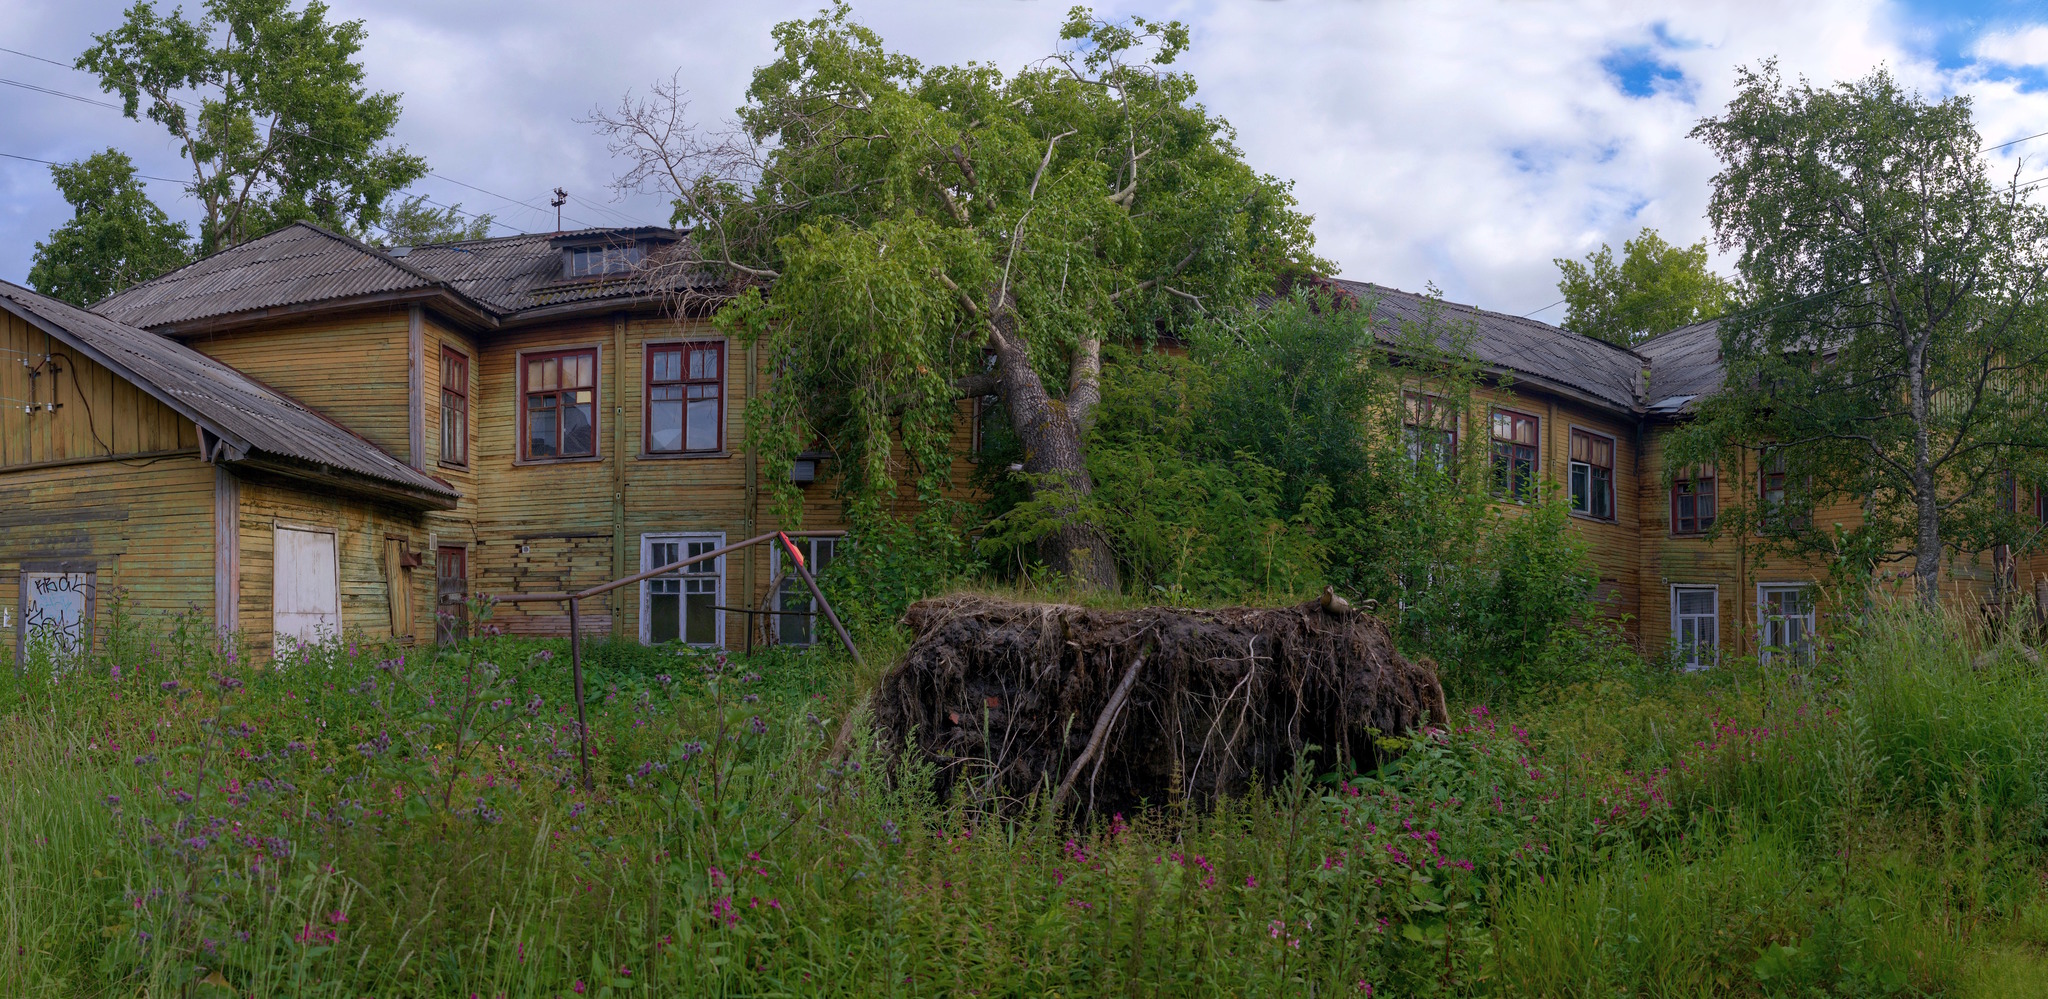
[(348, 481), (442, 300)]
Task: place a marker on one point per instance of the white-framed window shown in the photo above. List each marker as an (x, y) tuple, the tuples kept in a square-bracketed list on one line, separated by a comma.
[(1785, 619), (1696, 625), (800, 625), (682, 606)]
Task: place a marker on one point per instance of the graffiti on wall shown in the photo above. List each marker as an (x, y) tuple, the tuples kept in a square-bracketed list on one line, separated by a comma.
[(56, 610)]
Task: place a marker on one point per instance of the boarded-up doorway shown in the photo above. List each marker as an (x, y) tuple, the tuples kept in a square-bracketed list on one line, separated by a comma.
[(305, 586)]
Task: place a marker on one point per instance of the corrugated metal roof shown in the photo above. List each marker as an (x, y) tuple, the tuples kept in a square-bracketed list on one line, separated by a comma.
[(1685, 367), (1595, 367), (224, 401), (303, 263), (297, 264), (510, 274)]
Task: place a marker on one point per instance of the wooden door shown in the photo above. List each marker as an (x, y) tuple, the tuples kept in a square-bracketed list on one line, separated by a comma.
[(451, 594), (305, 586)]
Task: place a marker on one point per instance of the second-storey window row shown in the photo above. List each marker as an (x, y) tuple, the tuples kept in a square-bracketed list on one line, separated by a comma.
[(685, 398), (1514, 454), (454, 408), (1592, 474), (1693, 507), (560, 392)]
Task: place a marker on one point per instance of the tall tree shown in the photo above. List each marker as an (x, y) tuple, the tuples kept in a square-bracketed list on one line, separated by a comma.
[(1892, 349), (269, 107), (116, 236), (1657, 287), (414, 222), (934, 233)]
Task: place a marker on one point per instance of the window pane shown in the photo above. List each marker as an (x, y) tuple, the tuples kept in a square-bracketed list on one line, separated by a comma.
[(578, 432), (701, 625), (664, 617), (665, 426), (1582, 487), (703, 424), (668, 365), (1603, 493), (540, 427)]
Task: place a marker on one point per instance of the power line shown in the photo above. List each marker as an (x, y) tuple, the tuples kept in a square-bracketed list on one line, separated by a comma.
[(144, 176), (27, 55), (60, 93), (291, 131)]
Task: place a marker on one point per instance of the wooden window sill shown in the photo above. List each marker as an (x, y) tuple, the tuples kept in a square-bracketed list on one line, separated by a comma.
[(578, 460), (680, 455), (1597, 520)]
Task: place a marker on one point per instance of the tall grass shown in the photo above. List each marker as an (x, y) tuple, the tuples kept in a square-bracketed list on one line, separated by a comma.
[(368, 821)]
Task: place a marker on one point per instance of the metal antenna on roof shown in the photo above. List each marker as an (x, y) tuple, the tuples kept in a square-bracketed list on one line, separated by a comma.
[(561, 198)]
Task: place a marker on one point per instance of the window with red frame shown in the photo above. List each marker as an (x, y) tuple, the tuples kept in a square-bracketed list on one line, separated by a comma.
[(1693, 501), (454, 408), (1514, 454), (559, 407), (685, 398)]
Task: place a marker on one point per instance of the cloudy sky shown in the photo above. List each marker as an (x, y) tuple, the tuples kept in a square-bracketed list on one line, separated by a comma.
[(1461, 142)]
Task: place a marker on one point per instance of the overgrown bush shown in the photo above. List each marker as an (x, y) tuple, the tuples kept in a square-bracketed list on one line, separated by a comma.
[(1274, 458)]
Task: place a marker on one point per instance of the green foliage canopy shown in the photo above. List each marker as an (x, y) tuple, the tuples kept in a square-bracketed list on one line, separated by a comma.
[(1890, 356), (116, 237), (1657, 287), (935, 232), (268, 106)]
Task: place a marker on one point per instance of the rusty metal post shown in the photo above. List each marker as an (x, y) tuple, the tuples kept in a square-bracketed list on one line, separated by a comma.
[(812, 582), (576, 670)]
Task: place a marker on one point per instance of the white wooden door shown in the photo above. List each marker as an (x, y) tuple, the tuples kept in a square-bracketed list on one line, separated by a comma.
[(305, 586)]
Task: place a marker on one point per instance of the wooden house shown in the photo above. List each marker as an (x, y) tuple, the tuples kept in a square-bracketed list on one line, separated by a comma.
[(305, 434)]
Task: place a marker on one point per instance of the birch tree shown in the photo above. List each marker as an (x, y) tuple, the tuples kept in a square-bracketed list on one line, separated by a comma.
[(1892, 350)]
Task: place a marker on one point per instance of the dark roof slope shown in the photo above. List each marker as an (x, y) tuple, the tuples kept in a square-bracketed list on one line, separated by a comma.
[(303, 264), (247, 415), (1685, 367), (297, 264), (512, 274), (1601, 370)]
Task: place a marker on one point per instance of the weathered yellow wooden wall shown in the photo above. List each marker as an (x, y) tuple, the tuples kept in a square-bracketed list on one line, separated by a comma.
[(350, 367), (111, 479), (97, 412), (360, 527), (554, 526)]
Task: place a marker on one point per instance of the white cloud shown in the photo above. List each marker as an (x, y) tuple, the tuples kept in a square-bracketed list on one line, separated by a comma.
[(1465, 142), (2024, 47)]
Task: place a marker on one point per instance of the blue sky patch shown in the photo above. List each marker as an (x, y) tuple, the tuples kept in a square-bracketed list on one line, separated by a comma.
[(1639, 73)]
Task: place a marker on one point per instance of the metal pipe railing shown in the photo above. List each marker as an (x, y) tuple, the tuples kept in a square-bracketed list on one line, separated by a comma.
[(575, 616)]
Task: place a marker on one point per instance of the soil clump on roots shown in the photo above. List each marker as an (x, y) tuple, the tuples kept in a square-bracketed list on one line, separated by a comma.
[(1113, 709)]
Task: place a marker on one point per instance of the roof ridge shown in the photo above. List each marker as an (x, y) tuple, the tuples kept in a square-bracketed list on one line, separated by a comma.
[(1511, 317)]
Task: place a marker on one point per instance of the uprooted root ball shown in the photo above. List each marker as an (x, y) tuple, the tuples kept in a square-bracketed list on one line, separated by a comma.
[(1113, 709)]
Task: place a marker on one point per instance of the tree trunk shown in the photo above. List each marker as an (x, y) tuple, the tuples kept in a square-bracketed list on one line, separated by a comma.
[(1051, 436), (1927, 539)]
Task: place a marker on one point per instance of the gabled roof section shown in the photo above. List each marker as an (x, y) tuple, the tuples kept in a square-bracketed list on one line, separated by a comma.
[(252, 421), (517, 274), (1685, 367), (1537, 350), (296, 265), (303, 267)]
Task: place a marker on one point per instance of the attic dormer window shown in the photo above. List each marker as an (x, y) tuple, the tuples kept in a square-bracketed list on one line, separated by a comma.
[(597, 261)]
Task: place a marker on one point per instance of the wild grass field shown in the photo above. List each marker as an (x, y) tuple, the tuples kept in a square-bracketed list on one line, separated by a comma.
[(361, 821)]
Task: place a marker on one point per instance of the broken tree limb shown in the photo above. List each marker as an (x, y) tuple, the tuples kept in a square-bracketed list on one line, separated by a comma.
[(1102, 727)]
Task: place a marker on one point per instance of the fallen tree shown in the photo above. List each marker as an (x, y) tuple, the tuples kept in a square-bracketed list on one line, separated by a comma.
[(1117, 709)]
